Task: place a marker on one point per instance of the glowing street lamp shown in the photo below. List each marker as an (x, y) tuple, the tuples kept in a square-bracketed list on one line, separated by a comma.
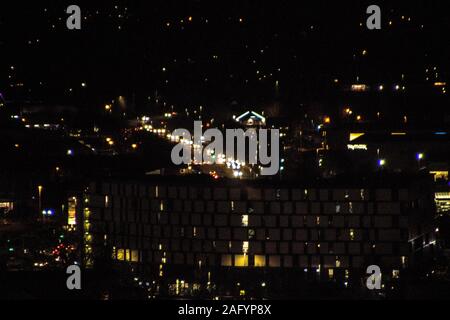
[(381, 162), (420, 156), (40, 188)]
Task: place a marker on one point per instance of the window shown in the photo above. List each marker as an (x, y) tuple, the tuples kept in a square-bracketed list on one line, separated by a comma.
[(395, 274), (352, 234), (245, 220), (404, 261), (120, 255), (330, 274), (226, 260), (134, 256), (241, 260), (260, 261)]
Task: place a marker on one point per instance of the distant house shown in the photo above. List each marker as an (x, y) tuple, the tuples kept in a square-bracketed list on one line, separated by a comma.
[(251, 119)]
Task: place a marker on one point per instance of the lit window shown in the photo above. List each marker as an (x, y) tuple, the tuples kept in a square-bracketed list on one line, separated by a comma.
[(106, 201), (395, 274), (404, 261), (352, 234), (260, 261), (134, 255), (241, 260), (245, 220), (330, 273), (120, 255)]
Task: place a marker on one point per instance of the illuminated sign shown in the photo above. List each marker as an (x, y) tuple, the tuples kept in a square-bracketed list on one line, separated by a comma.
[(354, 136), (357, 147)]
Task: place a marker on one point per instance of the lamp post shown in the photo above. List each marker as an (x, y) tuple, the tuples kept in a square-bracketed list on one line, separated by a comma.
[(419, 157), (40, 197)]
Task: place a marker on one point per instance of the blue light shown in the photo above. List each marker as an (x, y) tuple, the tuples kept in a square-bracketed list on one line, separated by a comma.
[(441, 133)]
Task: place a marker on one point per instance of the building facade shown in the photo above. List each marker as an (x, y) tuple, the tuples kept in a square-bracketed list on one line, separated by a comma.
[(331, 230)]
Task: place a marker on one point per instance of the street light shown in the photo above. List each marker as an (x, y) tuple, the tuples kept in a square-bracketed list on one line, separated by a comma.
[(381, 162), (40, 197), (419, 157)]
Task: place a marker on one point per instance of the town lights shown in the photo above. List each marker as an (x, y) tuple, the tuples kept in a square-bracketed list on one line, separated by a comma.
[(381, 162)]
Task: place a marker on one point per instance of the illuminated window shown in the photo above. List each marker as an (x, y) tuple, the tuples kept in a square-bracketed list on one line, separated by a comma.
[(127, 254), (157, 192), (245, 220), (338, 263), (395, 274), (161, 206), (106, 201), (404, 261), (195, 231), (241, 260), (71, 214), (232, 205), (352, 234), (134, 255), (330, 273), (120, 255), (260, 261), (251, 233), (317, 220)]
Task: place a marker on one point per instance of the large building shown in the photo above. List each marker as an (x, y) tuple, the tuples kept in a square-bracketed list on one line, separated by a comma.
[(323, 230)]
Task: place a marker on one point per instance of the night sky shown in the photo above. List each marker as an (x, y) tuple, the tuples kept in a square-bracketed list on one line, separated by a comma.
[(212, 53)]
